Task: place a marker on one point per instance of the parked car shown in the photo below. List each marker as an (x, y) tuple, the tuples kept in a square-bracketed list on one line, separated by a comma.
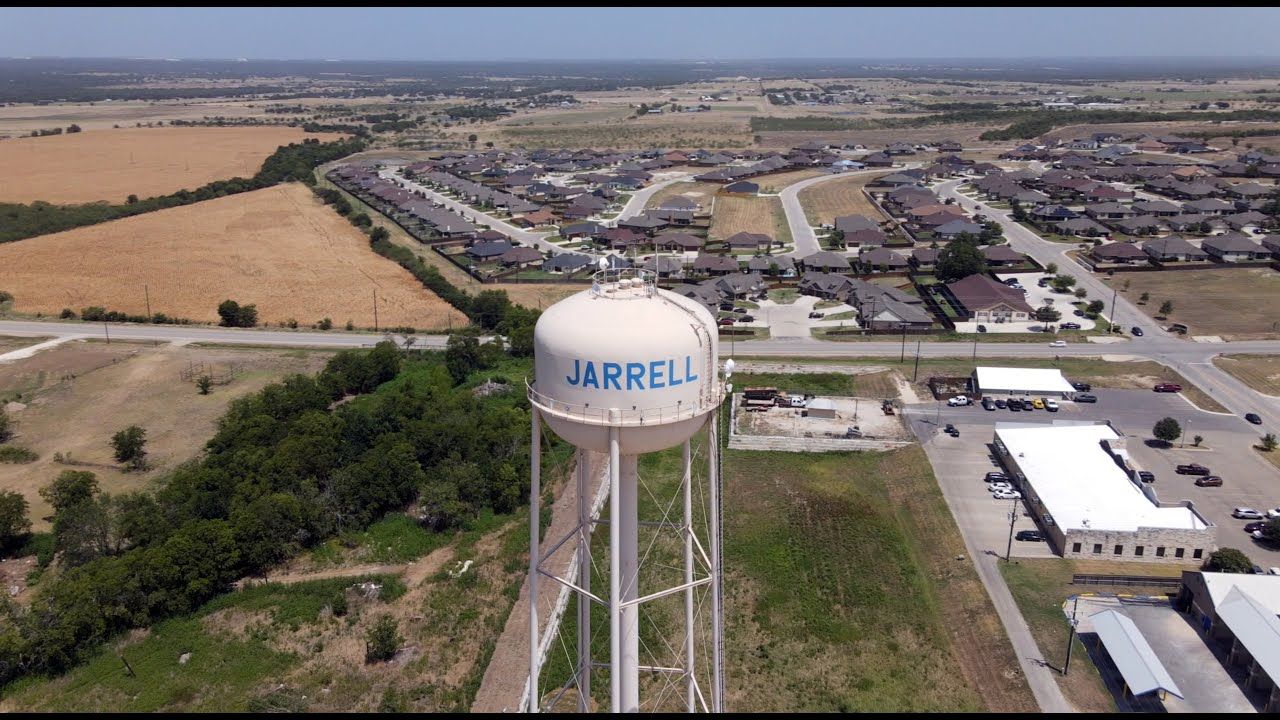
[(1167, 387), (1058, 343), (959, 401), (1273, 513), (1192, 469), (1002, 403), (740, 310), (726, 321), (1037, 403), (953, 431), (1209, 481), (1253, 418), (1246, 513), (982, 328), (815, 315), (1011, 282), (1015, 405), (1078, 313), (998, 487), (1255, 526), (1257, 570), (1082, 386), (988, 404), (1137, 331), (1043, 282), (1050, 404), (1069, 326), (996, 476), (727, 307), (1146, 476), (747, 318), (1029, 536), (1086, 398), (1011, 495)]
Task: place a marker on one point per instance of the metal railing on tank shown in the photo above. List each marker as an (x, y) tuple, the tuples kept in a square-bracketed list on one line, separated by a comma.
[(627, 416), (624, 283)]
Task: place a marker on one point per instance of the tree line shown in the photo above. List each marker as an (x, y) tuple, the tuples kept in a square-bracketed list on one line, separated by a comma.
[(293, 162), (286, 468)]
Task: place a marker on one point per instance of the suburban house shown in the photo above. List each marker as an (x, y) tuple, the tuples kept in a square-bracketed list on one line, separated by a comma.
[(852, 223), (1159, 208), (766, 263), (956, 228), (742, 187), (1271, 243), (1109, 211), (881, 260), (483, 251), (983, 299), (521, 256), (1002, 255), (1139, 225), (566, 263), (924, 258), (678, 242), (1173, 248), (752, 242), (826, 261), (1080, 227), (1233, 247), (1122, 253), (715, 264), (865, 238)]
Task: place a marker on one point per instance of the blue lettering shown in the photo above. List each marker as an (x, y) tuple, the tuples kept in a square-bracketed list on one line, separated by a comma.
[(671, 374), (577, 373), (635, 376), (655, 375), (612, 371), (589, 379), (688, 369)]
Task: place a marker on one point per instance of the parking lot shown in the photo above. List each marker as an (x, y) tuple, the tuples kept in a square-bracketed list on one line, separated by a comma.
[(1248, 479)]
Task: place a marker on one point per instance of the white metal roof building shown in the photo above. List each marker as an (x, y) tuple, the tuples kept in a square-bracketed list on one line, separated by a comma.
[(1073, 479), (1020, 381), (1129, 650), (1240, 612)]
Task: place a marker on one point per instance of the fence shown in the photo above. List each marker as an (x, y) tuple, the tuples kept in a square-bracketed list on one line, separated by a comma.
[(1127, 580)]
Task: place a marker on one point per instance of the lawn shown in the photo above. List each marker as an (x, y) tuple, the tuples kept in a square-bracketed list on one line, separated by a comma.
[(826, 201), (1220, 301), (875, 385), (1260, 372), (1040, 587)]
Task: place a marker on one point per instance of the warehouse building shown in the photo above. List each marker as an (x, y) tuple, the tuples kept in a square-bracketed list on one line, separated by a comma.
[(1238, 613), (1038, 382), (1077, 482)]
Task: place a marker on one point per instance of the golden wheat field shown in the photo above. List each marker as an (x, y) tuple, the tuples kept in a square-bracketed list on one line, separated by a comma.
[(111, 165), (278, 248)]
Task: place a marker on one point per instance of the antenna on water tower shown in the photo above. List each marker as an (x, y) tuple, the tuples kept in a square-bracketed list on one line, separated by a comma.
[(621, 370)]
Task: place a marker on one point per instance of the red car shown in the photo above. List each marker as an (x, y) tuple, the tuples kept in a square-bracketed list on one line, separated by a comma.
[(726, 321), (1168, 387)]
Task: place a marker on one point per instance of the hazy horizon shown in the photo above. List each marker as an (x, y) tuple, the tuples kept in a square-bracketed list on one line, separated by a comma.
[(642, 34)]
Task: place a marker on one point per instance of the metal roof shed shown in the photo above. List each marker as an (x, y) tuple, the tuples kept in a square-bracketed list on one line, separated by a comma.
[(1129, 650), (1256, 627)]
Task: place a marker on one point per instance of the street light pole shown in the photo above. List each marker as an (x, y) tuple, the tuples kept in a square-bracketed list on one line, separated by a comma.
[(1071, 636), (1115, 292), (1013, 516), (903, 357)]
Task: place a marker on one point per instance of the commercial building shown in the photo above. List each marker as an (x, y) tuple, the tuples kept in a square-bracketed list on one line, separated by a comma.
[(1077, 482), (1239, 613), (1040, 382)]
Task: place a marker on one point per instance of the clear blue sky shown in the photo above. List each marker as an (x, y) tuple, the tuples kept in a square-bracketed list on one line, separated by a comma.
[(636, 33)]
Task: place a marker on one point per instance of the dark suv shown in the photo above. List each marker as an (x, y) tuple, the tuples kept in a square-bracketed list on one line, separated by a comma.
[(1193, 469), (1030, 535), (1086, 398)]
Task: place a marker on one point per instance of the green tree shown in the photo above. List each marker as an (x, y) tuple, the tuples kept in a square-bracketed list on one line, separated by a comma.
[(1082, 293), (71, 487), (1228, 560), (1166, 307), (1062, 283), (6, 425), (14, 523), (379, 234), (462, 356), (489, 308), (960, 259), (472, 139), (1048, 313), (1143, 298), (130, 447), (1167, 430), (1095, 307), (1269, 442), (1197, 440), (204, 383), (382, 641), (131, 200), (1051, 268)]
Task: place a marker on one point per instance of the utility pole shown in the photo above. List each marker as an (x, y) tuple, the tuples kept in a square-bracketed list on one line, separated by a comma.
[(975, 348), (147, 292), (1115, 292), (1013, 517), (375, 310), (903, 356), (1071, 636), (917, 369), (107, 330)]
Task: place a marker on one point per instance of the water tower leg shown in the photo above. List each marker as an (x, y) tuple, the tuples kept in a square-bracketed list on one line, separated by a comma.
[(584, 581), (690, 698), (629, 671), (535, 490), (615, 571), (717, 607)]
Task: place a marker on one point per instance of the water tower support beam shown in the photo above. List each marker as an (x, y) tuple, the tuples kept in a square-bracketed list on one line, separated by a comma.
[(584, 581), (688, 579), (629, 609), (717, 608), (615, 567), (535, 489)]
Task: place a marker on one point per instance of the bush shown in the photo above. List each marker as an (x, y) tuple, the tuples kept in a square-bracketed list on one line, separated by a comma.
[(382, 641), (325, 324), (338, 605), (67, 314), (130, 447), (1228, 560), (1167, 429), (234, 314), (17, 455)]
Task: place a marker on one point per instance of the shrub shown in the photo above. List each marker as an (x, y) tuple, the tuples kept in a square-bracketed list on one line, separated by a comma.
[(1228, 560), (382, 640), (17, 455)]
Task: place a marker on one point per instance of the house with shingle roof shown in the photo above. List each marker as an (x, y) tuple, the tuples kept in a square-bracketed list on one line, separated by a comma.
[(825, 261), (1173, 248), (984, 300), (1233, 247), (754, 242), (715, 264), (881, 260), (1122, 253)]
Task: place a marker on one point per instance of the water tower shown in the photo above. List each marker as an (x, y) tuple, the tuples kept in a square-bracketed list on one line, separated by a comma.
[(625, 369)]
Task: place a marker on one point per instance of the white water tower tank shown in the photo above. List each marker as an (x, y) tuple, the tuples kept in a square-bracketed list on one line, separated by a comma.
[(625, 354)]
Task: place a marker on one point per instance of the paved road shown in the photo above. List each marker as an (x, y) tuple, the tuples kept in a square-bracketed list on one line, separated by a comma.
[(189, 334), (521, 236), (636, 204), (1189, 358), (806, 241)]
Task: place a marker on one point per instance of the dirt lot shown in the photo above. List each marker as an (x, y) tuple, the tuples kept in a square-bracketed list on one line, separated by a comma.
[(749, 214), (72, 398), (8, 342), (278, 248), (862, 413), (1221, 302), (700, 192), (774, 182), (1260, 372), (824, 202), (112, 164)]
